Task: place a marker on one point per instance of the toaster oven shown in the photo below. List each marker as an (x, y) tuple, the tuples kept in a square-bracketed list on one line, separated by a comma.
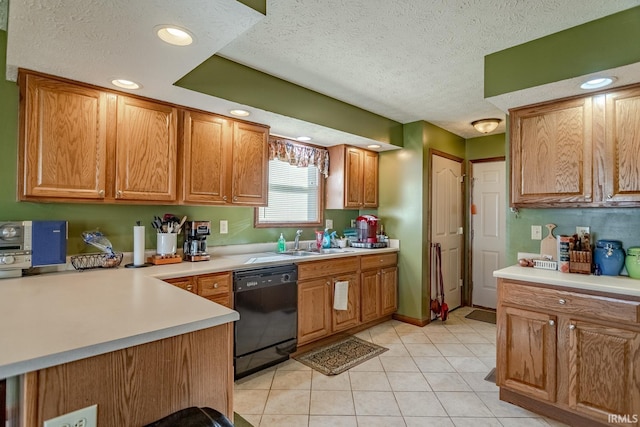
[(15, 247)]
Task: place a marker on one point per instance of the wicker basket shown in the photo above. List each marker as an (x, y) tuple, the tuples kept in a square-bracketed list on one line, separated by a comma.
[(580, 262), (101, 260)]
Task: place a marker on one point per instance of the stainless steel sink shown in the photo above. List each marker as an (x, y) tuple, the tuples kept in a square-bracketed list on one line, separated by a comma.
[(335, 251), (299, 253), (316, 252)]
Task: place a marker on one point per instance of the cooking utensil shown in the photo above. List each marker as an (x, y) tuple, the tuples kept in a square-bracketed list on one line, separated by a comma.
[(182, 221), (549, 245)]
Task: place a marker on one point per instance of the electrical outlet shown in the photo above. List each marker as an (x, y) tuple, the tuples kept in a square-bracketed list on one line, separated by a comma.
[(536, 232), (328, 223), (224, 226), (581, 231), (85, 417)]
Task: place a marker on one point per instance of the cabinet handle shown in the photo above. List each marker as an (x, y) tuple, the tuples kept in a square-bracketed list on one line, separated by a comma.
[(552, 322), (609, 196), (572, 327), (215, 286), (101, 193), (118, 193), (562, 302), (235, 198), (189, 288), (224, 198)]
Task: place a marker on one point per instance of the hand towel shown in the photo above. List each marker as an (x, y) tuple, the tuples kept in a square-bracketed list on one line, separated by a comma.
[(341, 295)]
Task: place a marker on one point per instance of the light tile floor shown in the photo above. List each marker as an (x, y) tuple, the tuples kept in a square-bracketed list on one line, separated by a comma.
[(431, 376)]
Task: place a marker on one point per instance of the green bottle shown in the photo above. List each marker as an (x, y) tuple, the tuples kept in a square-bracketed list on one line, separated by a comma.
[(282, 244)]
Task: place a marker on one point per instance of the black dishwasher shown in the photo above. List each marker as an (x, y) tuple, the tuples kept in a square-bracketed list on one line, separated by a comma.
[(267, 300)]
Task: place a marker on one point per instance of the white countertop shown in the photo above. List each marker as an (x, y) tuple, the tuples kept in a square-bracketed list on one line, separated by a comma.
[(622, 285), (55, 318)]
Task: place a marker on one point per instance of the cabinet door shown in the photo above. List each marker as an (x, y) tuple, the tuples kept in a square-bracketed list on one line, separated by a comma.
[(185, 283), (551, 154), (388, 290), (370, 180), (603, 370), (63, 136), (343, 319), (622, 145), (146, 151), (526, 352), (250, 165), (207, 140), (314, 314), (353, 177), (370, 301)]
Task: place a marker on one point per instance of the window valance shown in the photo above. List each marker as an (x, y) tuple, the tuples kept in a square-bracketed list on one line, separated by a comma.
[(299, 154)]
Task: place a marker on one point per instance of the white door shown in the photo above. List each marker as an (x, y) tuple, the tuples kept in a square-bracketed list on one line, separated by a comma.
[(488, 230), (447, 225)]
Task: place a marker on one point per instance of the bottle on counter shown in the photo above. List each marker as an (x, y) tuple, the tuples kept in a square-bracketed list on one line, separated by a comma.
[(282, 243)]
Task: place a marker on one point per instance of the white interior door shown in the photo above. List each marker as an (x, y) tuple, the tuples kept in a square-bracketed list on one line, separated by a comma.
[(488, 230), (447, 225)]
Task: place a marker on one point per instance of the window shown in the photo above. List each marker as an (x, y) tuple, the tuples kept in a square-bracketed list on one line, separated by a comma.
[(295, 196)]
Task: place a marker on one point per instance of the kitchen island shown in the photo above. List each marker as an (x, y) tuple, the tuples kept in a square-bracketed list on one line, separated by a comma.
[(568, 345), (124, 339)]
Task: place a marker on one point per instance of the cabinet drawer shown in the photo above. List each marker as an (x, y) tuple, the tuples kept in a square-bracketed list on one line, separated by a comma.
[(182, 282), (314, 269), (571, 302), (210, 285), (222, 300), (369, 262)]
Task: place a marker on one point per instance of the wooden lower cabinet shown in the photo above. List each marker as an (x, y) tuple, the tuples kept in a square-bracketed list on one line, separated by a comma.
[(379, 280), (568, 355), (215, 287), (370, 282), (344, 319), (314, 314)]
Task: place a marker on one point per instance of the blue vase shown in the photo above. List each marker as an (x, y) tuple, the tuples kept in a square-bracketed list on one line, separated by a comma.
[(609, 256)]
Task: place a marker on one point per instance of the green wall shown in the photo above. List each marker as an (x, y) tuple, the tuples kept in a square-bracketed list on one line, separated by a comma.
[(117, 221), (602, 44), (223, 78), (404, 209)]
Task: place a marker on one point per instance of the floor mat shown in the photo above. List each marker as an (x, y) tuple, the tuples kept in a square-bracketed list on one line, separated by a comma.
[(340, 356), (483, 316), (491, 376), (238, 421)]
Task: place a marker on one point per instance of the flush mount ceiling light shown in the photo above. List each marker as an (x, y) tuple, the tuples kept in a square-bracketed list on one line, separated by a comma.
[(303, 138), (486, 125), (239, 113), (373, 146), (597, 83), (125, 84), (174, 35)]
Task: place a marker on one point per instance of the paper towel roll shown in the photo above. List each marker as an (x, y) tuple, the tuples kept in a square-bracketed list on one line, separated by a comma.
[(138, 245), (341, 296)]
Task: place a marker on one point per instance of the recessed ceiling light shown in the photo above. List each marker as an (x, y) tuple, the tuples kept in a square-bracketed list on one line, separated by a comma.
[(303, 138), (597, 83), (174, 35), (239, 113), (373, 146), (125, 84)]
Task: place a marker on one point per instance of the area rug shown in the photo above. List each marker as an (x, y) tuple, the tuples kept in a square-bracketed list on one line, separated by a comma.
[(483, 316), (491, 376), (340, 356), (238, 421)]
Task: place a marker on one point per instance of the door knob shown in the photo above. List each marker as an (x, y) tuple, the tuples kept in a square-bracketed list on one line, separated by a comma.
[(552, 322)]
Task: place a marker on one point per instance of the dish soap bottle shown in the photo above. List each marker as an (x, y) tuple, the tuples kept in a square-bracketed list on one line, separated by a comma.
[(326, 239), (282, 244)]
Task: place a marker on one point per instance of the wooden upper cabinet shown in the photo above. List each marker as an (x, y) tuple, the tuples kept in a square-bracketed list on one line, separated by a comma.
[(63, 140), (621, 180), (551, 154), (207, 140), (353, 178), (146, 150), (250, 164)]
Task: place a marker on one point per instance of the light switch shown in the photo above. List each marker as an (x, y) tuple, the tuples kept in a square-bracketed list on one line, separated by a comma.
[(328, 224), (536, 232), (224, 226)]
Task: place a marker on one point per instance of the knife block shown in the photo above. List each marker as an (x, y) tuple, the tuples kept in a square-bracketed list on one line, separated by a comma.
[(580, 262)]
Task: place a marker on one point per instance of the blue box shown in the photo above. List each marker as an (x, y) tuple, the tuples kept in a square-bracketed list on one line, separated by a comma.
[(49, 243)]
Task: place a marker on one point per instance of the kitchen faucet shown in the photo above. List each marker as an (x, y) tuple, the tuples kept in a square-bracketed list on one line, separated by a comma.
[(296, 243)]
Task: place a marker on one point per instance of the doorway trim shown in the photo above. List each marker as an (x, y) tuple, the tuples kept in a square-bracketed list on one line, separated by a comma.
[(468, 222)]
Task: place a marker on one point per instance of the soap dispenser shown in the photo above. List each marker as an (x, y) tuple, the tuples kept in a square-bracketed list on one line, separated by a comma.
[(282, 244), (326, 239)]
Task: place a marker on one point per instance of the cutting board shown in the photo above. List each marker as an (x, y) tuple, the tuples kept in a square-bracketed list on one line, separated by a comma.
[(549, 245)]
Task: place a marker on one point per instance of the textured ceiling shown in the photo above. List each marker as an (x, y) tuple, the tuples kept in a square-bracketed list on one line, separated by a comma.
[(405, 60)]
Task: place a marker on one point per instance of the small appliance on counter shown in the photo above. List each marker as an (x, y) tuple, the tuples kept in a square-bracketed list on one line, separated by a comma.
[(15, 247), (367, 233), (195, 240)]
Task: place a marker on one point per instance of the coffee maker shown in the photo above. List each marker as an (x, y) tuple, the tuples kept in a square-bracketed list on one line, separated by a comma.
[(195, 240)]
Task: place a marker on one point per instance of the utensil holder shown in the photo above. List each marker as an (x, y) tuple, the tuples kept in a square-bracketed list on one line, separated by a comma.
[(167, 243)]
